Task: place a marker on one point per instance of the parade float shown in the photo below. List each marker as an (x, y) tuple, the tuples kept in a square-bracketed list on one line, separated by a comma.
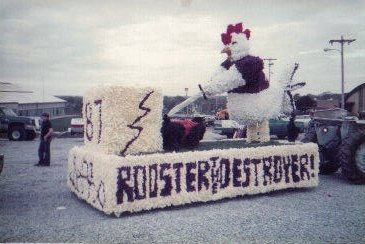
[(132, 158)]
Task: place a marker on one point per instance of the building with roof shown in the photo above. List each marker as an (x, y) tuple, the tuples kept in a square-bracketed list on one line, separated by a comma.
[(327, 104), (355, 99), (29, 103)]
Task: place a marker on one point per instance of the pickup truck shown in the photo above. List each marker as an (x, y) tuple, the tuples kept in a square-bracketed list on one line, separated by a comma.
[(18, 128), (77, 126), (278, 127)]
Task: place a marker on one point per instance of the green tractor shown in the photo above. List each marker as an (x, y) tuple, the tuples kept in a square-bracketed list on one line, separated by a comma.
[(341, 143)]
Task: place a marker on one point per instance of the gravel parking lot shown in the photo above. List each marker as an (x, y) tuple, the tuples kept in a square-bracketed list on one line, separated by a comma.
[(37, 206)]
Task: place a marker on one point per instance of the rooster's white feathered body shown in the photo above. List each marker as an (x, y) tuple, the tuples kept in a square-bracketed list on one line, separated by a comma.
[(251, 100)]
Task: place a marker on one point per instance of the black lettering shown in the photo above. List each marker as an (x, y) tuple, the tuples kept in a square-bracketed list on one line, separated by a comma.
[(88, 121), (286, 163), (256, 162), (190, 177), (124, 175), (203, 168), (247, 170), (137, 192), (266, 166), (214, 173), (153, 188), (312, 165), (237, 172), (166, 191), (304, 167), (294, 168), (278, 170), (177, 167)]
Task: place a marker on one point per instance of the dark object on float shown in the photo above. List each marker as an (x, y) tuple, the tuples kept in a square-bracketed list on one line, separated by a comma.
[(201, 89), (293, 130), (179, 134)]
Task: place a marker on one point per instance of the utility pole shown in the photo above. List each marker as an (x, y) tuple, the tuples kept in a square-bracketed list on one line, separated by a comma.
[(270, 64), (342, 41)]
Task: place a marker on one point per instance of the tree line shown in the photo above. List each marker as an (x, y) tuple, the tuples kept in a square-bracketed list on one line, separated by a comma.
[(202, 106)]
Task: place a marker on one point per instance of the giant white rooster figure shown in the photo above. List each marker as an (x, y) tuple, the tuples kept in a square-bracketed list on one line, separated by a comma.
[(251, 101)]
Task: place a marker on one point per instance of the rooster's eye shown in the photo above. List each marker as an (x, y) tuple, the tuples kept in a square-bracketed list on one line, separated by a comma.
[(234, 43)]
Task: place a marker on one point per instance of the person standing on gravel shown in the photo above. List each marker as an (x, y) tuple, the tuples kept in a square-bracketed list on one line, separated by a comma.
[(44, 150)]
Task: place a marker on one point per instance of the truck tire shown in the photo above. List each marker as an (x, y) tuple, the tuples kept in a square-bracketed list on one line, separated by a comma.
[(352, 155), (16, 133)]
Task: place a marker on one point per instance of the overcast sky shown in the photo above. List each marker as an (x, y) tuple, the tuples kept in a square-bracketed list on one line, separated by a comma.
[(70, 46)]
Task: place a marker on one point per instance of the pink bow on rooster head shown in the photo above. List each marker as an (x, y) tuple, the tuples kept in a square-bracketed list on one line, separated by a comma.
[(238, 28)]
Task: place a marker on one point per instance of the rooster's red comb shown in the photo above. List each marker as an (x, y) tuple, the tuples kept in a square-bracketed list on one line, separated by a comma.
[(238, 28)]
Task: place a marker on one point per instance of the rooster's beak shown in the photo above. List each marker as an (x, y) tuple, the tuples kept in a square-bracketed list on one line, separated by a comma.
[(226, 50)]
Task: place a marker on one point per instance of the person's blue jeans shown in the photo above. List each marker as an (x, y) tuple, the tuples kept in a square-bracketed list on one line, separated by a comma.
[(44, 151)]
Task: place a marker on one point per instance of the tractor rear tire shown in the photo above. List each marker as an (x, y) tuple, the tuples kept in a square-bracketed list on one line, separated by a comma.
[(328, 168), (351, 166), (329, 163)]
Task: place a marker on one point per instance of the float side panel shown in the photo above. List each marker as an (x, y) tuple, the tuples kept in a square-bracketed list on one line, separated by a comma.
[(136, 183)]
